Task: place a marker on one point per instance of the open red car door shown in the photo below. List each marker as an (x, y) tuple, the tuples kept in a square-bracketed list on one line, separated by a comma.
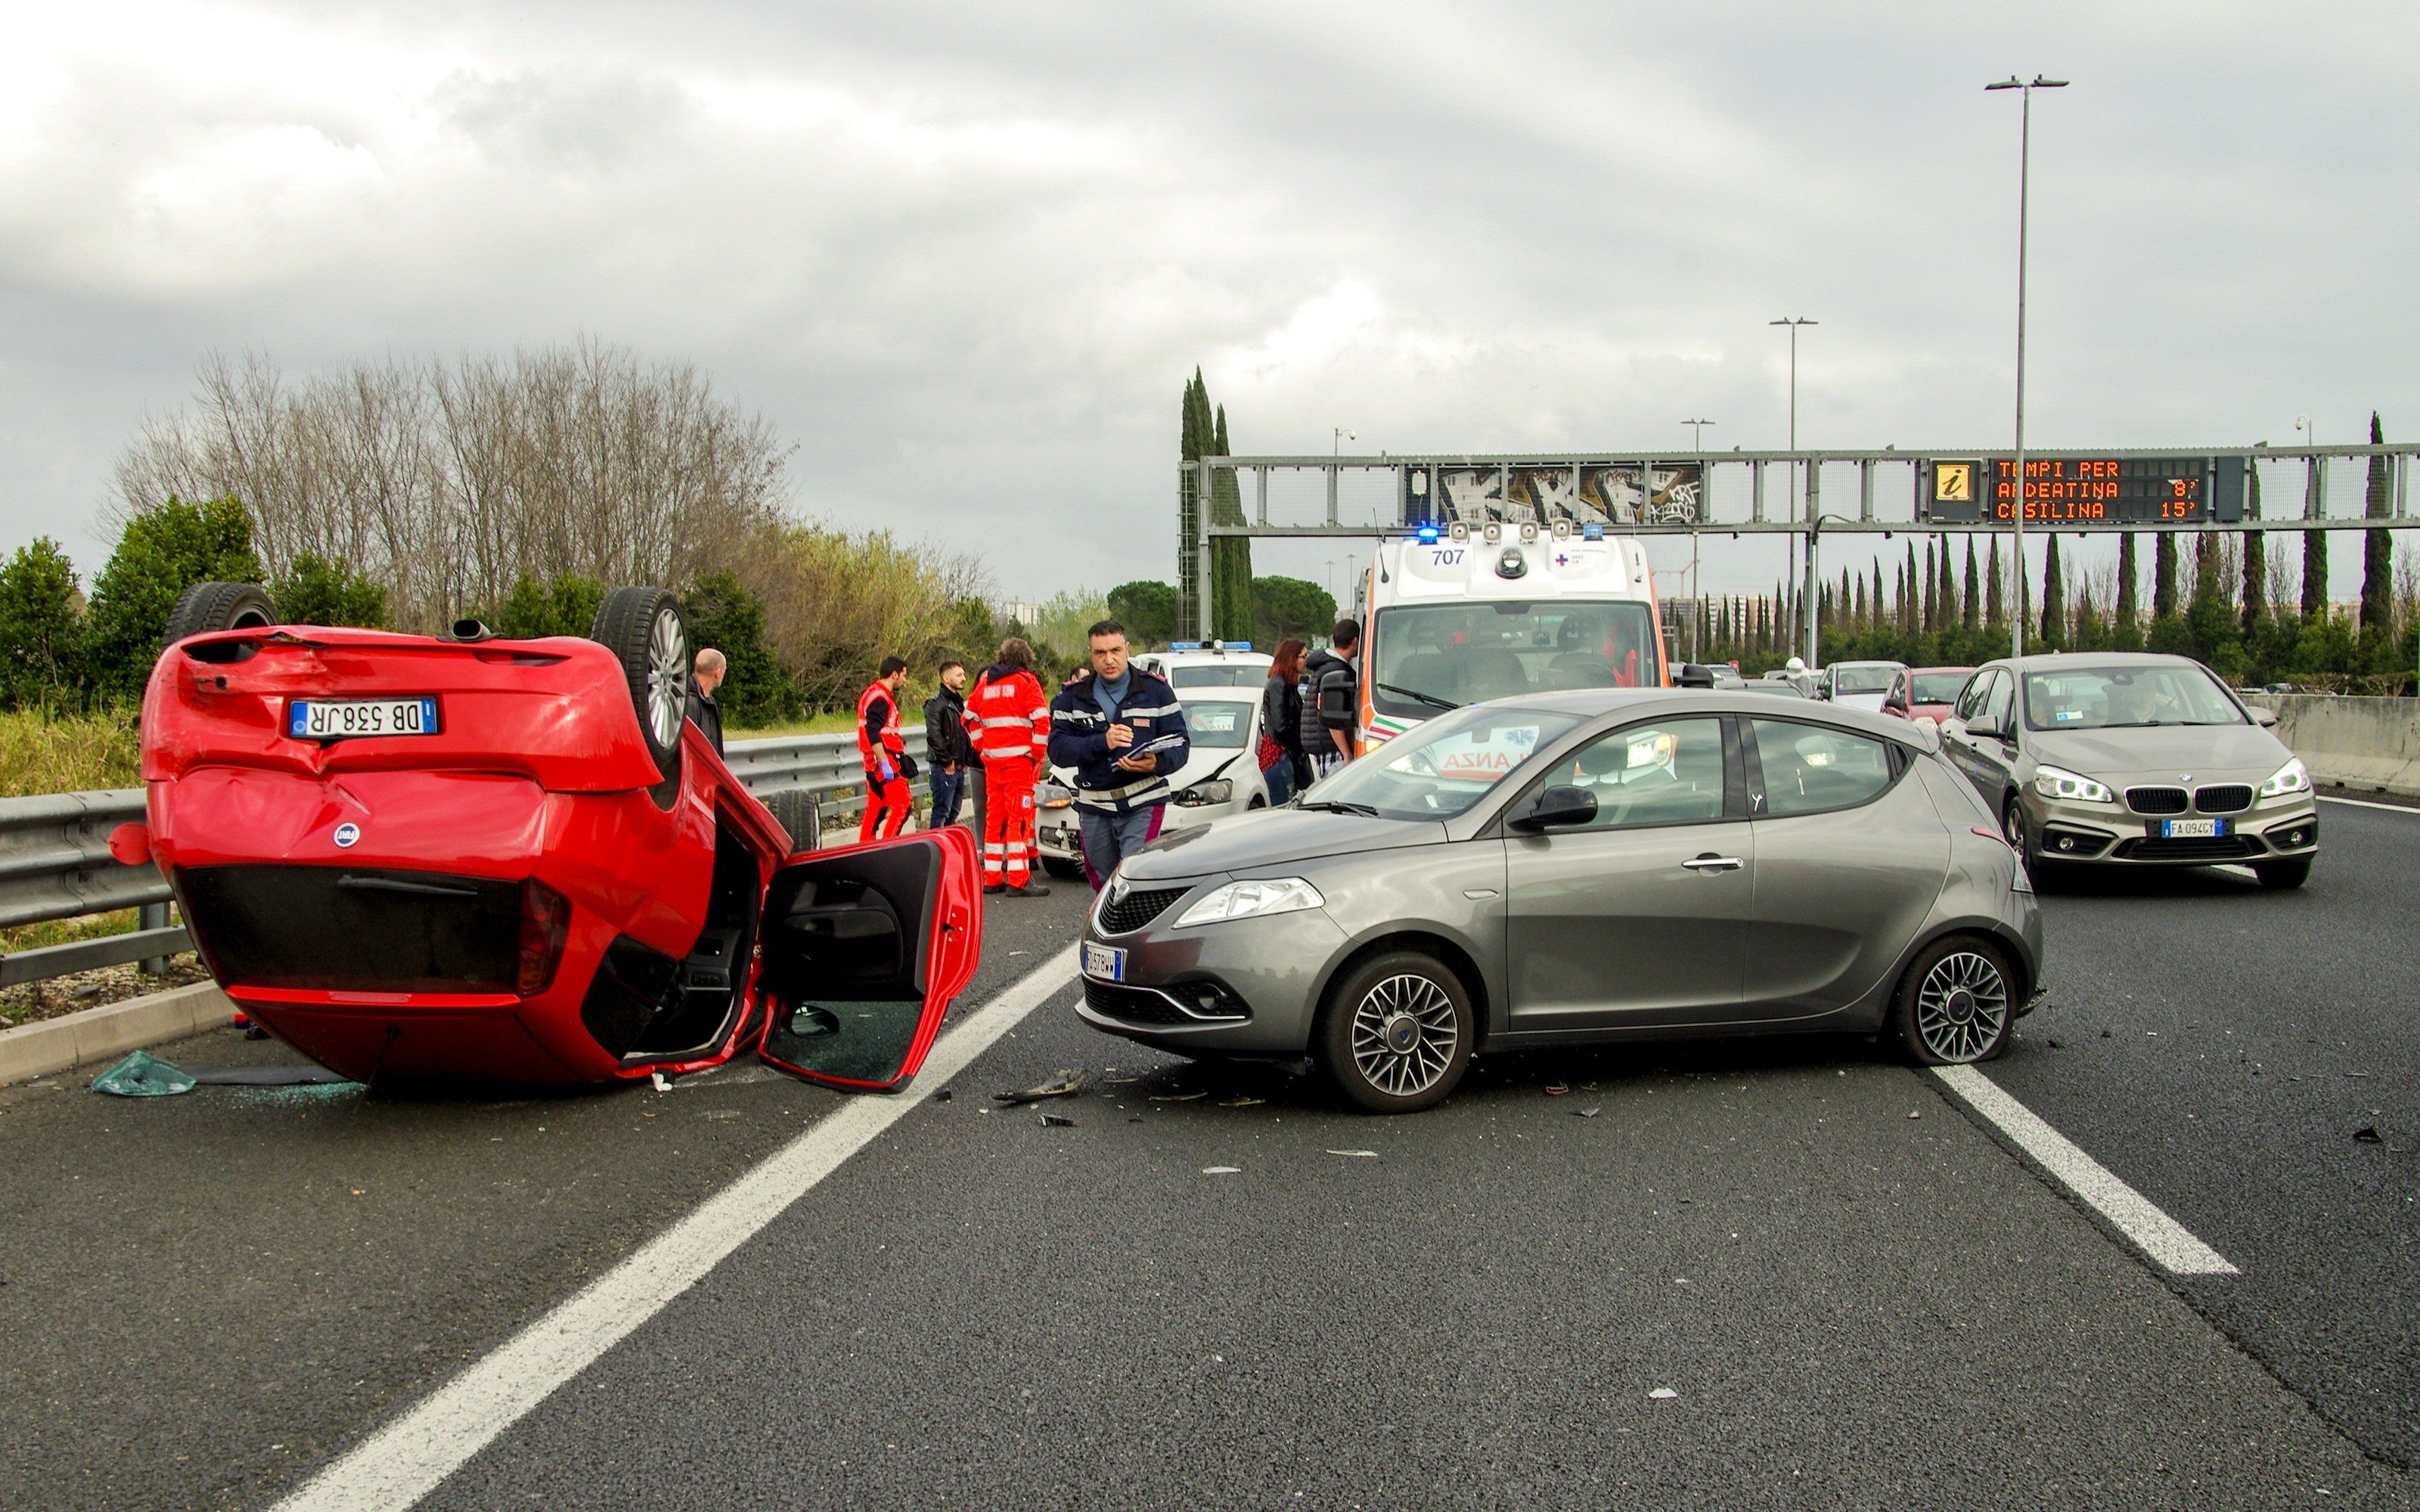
[(863, 950)]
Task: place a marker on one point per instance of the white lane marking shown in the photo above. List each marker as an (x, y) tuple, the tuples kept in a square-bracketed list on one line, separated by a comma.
[(407, 1459), (2364, 803), (2161, 1237)]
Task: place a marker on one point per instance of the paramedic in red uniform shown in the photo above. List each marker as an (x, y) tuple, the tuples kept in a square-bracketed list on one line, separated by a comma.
[(1010, 720), (889, 768)]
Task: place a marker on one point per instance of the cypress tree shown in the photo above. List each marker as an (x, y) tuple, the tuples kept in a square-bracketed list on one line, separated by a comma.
[(2315, 566), (2255, 558), (1910, 613), (2129, 608), (1996, 603), (1860, 616), (1231, 557), (1970, 611), (1931, 593), (1189, 509), (2164, 576), (1948, 586), (2378, 560), (2054, 597), (1847, 624)]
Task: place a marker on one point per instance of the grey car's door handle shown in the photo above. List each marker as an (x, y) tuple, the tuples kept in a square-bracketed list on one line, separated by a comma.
[(1711, 862)]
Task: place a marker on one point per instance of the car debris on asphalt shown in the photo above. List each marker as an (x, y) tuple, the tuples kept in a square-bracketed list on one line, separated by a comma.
[(144, 1075), (1057, 1120), (1068, 1082)]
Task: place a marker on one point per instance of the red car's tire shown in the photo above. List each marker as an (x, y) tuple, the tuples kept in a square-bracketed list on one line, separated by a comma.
[(208, 607), (799, 812), (643, 628)]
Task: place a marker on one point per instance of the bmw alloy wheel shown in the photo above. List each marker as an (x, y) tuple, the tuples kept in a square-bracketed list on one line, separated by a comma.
[(1404, 1035), (667, 677), (1962, 1007)]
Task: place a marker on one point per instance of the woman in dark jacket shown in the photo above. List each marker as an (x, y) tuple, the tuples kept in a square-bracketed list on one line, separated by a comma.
[(1283, 765)]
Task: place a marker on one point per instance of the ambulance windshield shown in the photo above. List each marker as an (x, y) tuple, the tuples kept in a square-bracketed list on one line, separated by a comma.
[(1428, 657)]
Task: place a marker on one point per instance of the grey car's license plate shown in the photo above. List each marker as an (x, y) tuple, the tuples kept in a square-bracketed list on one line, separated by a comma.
[(2190, 830), (1106, 962), (344, 718)]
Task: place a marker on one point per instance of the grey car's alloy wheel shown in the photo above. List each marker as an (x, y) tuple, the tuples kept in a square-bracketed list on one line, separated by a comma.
[(1397, 1033), (1956, 1004)]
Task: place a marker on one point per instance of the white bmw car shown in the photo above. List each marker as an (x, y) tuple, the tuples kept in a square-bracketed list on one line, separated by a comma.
[(1221, 777)]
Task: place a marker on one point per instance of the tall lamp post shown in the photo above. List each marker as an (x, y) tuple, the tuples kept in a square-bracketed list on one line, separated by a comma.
[(1793, 323), (1814, 540), (1341, 436), (2024, 167)]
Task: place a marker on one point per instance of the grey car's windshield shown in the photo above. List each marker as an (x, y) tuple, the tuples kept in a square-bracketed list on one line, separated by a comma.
[(2126, 698), (1425, 655), (1444, 766), (1864, 676), (1218, 724)]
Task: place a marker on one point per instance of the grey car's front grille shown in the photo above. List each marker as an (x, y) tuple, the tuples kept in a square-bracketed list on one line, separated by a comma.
[(1213, 1003), (2226, 797), (2156, 801), (2201, 848), (1137, 907)]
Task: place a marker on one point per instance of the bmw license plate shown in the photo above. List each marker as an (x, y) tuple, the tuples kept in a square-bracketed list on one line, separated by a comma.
[(2190, 830), (1106, 963), (343, 719)]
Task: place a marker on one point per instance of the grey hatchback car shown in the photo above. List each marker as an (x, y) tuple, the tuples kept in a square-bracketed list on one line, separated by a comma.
[(1575, 869)]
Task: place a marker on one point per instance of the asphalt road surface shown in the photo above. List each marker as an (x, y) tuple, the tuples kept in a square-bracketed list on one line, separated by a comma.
[(1784, 1273)]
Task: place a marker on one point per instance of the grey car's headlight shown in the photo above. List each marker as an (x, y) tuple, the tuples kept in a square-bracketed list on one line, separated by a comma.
[(2069, 787), (2291, 777), (1201, 792), (1251, 899)]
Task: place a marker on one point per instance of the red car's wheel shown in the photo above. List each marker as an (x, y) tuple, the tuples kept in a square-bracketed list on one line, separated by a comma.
[(208, 607), (643, 628)]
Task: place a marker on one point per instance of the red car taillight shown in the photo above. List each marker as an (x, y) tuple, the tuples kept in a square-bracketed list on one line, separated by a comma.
[(545, 920)]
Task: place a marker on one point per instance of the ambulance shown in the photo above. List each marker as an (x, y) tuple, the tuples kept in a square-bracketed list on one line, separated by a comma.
[(1462, 613)]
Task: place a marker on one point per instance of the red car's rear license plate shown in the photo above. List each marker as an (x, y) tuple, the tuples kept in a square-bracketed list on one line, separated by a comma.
[(344, 718)]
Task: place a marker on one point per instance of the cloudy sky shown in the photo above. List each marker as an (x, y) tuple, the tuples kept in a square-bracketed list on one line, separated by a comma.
[(965, 255)]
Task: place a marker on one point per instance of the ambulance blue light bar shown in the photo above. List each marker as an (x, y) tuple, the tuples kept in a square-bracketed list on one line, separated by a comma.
[(1184, 646), (1591, 531), (1428, 535)]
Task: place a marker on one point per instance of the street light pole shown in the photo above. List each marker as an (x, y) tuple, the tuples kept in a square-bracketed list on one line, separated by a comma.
[(1793, 323), (2025, 170), (1341, 436)]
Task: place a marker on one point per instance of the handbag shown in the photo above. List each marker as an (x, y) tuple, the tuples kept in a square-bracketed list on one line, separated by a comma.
[(1269, 753)]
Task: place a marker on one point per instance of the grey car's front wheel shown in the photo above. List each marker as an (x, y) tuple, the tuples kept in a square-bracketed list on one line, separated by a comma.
[(1397, 1033), (1957, 1003)]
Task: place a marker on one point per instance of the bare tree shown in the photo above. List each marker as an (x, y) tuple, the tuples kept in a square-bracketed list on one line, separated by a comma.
[(446, 484)]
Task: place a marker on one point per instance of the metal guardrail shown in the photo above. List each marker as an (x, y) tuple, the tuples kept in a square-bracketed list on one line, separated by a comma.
[(55, 861)]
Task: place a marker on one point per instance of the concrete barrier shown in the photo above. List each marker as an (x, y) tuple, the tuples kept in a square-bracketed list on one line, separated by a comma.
[(99, 1034), (2369, 744)]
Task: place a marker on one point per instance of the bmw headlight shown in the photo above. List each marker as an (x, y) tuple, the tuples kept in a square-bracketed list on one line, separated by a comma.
[(1251, 900), (1201, 792), (2069, 787), (2291, 777)]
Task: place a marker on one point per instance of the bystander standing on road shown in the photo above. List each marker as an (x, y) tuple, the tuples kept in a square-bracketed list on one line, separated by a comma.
[(945, 742), (1122, 730), (1329, 740), (1010, 721), (889, 768), (1284, 765), (705, 677)]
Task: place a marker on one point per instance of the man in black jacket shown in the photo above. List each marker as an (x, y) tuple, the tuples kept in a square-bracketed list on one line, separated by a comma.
[(705, 678), (945, 742), (1331, 740)]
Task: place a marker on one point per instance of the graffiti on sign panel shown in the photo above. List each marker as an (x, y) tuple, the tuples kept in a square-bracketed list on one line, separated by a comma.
[(1585, 493)]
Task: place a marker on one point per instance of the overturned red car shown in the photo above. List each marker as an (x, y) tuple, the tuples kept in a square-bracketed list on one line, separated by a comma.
[(417, 855)]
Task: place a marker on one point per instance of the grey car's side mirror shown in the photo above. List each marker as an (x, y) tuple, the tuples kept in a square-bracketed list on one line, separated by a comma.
[(1693, 675), (1985, 727), (1556, 807), (2265, 718)]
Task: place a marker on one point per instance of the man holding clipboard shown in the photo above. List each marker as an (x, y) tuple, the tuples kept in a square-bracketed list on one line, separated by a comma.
[(1123, 730)]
